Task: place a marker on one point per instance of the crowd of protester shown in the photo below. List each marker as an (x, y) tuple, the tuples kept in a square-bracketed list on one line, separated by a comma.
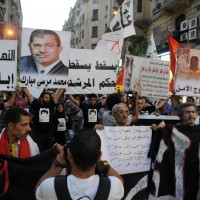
[(53, 118)]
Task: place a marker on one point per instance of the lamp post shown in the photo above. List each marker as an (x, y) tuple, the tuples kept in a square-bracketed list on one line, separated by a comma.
[(9, 33)]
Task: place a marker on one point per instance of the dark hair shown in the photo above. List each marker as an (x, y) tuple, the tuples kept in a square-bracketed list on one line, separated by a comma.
[(45, 92), (13, 115), (112, 99), (93, 95), (85, 147), (192, 98), (181, 107), (44, 111), (92, 111), (41, 32)]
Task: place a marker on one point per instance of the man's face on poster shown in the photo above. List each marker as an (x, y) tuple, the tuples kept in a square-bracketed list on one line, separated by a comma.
[(45, 50), (186, 54), (128, 73)]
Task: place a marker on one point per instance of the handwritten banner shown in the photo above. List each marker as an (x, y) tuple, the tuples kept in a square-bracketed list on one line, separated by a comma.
[(126, 148), (187, 78), (148, 77), (8, 63), (154, 79), (92, 71)]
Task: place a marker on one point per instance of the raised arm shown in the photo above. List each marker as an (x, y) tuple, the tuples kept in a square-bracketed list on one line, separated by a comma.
[(28, 94), (58, 95), (12, 99), (74, 100), (135, 117), (56, 167)]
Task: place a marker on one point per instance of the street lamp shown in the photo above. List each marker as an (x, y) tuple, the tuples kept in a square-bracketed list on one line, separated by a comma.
[(8, 33)]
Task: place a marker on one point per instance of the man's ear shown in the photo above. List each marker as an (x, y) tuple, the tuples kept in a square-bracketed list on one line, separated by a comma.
[(10, 126), (60, 48)]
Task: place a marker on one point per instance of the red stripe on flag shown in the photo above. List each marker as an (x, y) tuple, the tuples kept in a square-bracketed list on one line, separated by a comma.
[(173, 46)]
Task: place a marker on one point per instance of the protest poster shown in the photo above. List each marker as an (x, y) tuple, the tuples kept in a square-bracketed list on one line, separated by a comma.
[(44, 58), (148, 77), (154, 79), (187, 77), (8, 63), (92, 71), (126, 148)]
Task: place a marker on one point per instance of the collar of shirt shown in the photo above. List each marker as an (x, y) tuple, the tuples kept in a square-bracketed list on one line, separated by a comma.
[(46, 69)]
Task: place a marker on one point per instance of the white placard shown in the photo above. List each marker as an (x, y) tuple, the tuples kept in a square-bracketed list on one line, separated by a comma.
[(126, 148), (8, 63)]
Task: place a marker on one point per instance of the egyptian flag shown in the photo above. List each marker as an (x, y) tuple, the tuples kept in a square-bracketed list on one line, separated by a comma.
[(175, 151), (173, 46), (18, 176)]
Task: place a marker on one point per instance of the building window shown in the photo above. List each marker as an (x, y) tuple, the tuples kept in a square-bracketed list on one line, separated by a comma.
[(179, 19), (94, 32), (95, 1), (95, 15), (83, 18), (139, 6), (106, 26), (93, 46), (157, 35), (82, 34)]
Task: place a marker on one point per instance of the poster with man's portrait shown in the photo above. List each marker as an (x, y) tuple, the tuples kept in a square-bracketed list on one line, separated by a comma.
[(44, 58), (187, 76)]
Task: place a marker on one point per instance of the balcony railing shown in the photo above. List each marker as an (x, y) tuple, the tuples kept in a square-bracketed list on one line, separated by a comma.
[(172, 5)]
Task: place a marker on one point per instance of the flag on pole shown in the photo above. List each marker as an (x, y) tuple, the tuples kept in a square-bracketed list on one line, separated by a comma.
[(151, 49), (173, 46), (120, 80), (121, 26)]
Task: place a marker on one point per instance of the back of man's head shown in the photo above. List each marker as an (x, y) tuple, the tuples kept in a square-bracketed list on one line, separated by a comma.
[(112, 99), (13, 115), (85, 147)]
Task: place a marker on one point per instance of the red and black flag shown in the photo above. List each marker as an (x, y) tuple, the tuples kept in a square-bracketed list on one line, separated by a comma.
[(18, 177)]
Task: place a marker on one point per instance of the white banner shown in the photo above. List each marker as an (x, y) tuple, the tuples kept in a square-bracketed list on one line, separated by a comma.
[(92, 71), (8, 63), (187, 78), (121, 26), (151, 49), (126, 148)]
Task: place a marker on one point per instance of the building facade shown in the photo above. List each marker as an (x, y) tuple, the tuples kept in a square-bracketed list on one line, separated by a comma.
[(180, 18), (10, 19), (88, 21), (11, 22)]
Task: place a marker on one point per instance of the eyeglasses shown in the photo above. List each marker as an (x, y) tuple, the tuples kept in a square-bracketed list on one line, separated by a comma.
[(121, 112)]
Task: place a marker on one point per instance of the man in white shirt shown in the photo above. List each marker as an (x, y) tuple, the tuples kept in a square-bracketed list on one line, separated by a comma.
[(83, 154)]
